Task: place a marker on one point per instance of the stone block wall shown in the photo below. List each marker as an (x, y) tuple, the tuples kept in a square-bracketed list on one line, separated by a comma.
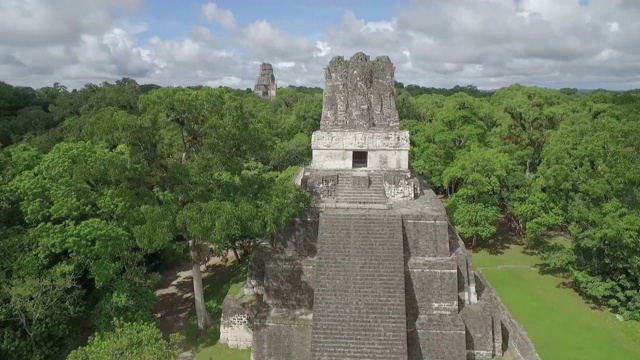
[(288, 283), (398, 186), (291, 245), (282, 335), (509, 336), (360, 140), (385, 150), (359, 93), (433, 285), (445, 319), (255, 273), (441, 337), (467, 282), (479, 332), (435, 330), (285, 273), (236, 328), (324, 186), (300, 237), (426, 236)]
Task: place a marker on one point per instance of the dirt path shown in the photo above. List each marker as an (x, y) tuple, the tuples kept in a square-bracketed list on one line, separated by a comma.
[(175, 301)]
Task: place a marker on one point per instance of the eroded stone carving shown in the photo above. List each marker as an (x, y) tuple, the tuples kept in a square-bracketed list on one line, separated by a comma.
[(236, 326), (359, 94), (392, 140), (400, 186), (360, 181), (331, 180), (324, 186)]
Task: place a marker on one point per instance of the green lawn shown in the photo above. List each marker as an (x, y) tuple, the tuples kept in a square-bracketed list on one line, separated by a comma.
[(561, 325), (219, 282)]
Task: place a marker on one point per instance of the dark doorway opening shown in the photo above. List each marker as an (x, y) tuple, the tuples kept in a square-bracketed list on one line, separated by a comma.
[(360, 159), (265, 93)]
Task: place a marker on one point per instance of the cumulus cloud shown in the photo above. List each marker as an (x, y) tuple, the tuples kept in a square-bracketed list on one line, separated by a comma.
[(488, 43), (262, 40), (203, 34), (215, 14), (43, 22)]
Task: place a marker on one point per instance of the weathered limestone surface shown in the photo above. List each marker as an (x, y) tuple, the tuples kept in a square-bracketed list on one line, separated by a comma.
[(359, 114), (375, 271), (399, 186), (266, 85), (359, 94), (387, 150), (359, 310), (509, 336), (237, 322), (361, 140), (285, 274)]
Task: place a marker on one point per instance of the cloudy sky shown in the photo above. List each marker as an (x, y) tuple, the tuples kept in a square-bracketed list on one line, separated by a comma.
[(487, 43)]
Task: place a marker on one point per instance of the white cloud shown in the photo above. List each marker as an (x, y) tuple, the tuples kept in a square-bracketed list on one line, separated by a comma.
[(284, 65), (263, 41), (133, 28), (488, 43), (44, 22), (203, 34), (614, 26), (323, 49), (215, 14)]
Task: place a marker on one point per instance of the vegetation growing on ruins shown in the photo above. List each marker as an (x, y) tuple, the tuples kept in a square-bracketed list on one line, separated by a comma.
[(101, 186)]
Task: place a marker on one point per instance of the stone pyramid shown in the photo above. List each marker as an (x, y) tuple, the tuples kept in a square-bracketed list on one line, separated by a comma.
[(375, 271)]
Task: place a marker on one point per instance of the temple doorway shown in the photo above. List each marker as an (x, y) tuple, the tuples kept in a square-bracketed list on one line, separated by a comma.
[(360, 159)]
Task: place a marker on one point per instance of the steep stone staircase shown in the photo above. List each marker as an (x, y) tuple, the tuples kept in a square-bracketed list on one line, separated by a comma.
[(359, 301), (346, 193)]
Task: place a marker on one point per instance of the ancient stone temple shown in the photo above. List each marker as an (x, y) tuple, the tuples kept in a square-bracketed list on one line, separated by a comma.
[(375, 271), (266, 86)]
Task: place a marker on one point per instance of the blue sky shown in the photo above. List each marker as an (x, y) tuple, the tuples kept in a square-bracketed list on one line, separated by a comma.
[(172, 19)]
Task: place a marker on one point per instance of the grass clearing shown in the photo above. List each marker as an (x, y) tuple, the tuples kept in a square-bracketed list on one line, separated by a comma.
[(561, 325), (218, 282)]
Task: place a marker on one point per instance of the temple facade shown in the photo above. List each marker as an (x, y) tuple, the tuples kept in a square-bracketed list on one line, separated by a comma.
[(266, 85), (375, 270)]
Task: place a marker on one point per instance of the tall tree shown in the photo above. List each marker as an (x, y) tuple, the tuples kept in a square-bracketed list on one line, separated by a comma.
[(216, 175), (478, 174), (591, 174), (128, 340), (459, 123)]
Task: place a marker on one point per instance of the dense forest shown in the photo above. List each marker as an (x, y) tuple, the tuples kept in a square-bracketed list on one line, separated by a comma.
[(100, 186)]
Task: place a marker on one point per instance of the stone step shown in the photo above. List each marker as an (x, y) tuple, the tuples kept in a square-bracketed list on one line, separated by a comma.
[(354, 194), (362, 197), (371, 188), (359, 299), (374, 190)]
